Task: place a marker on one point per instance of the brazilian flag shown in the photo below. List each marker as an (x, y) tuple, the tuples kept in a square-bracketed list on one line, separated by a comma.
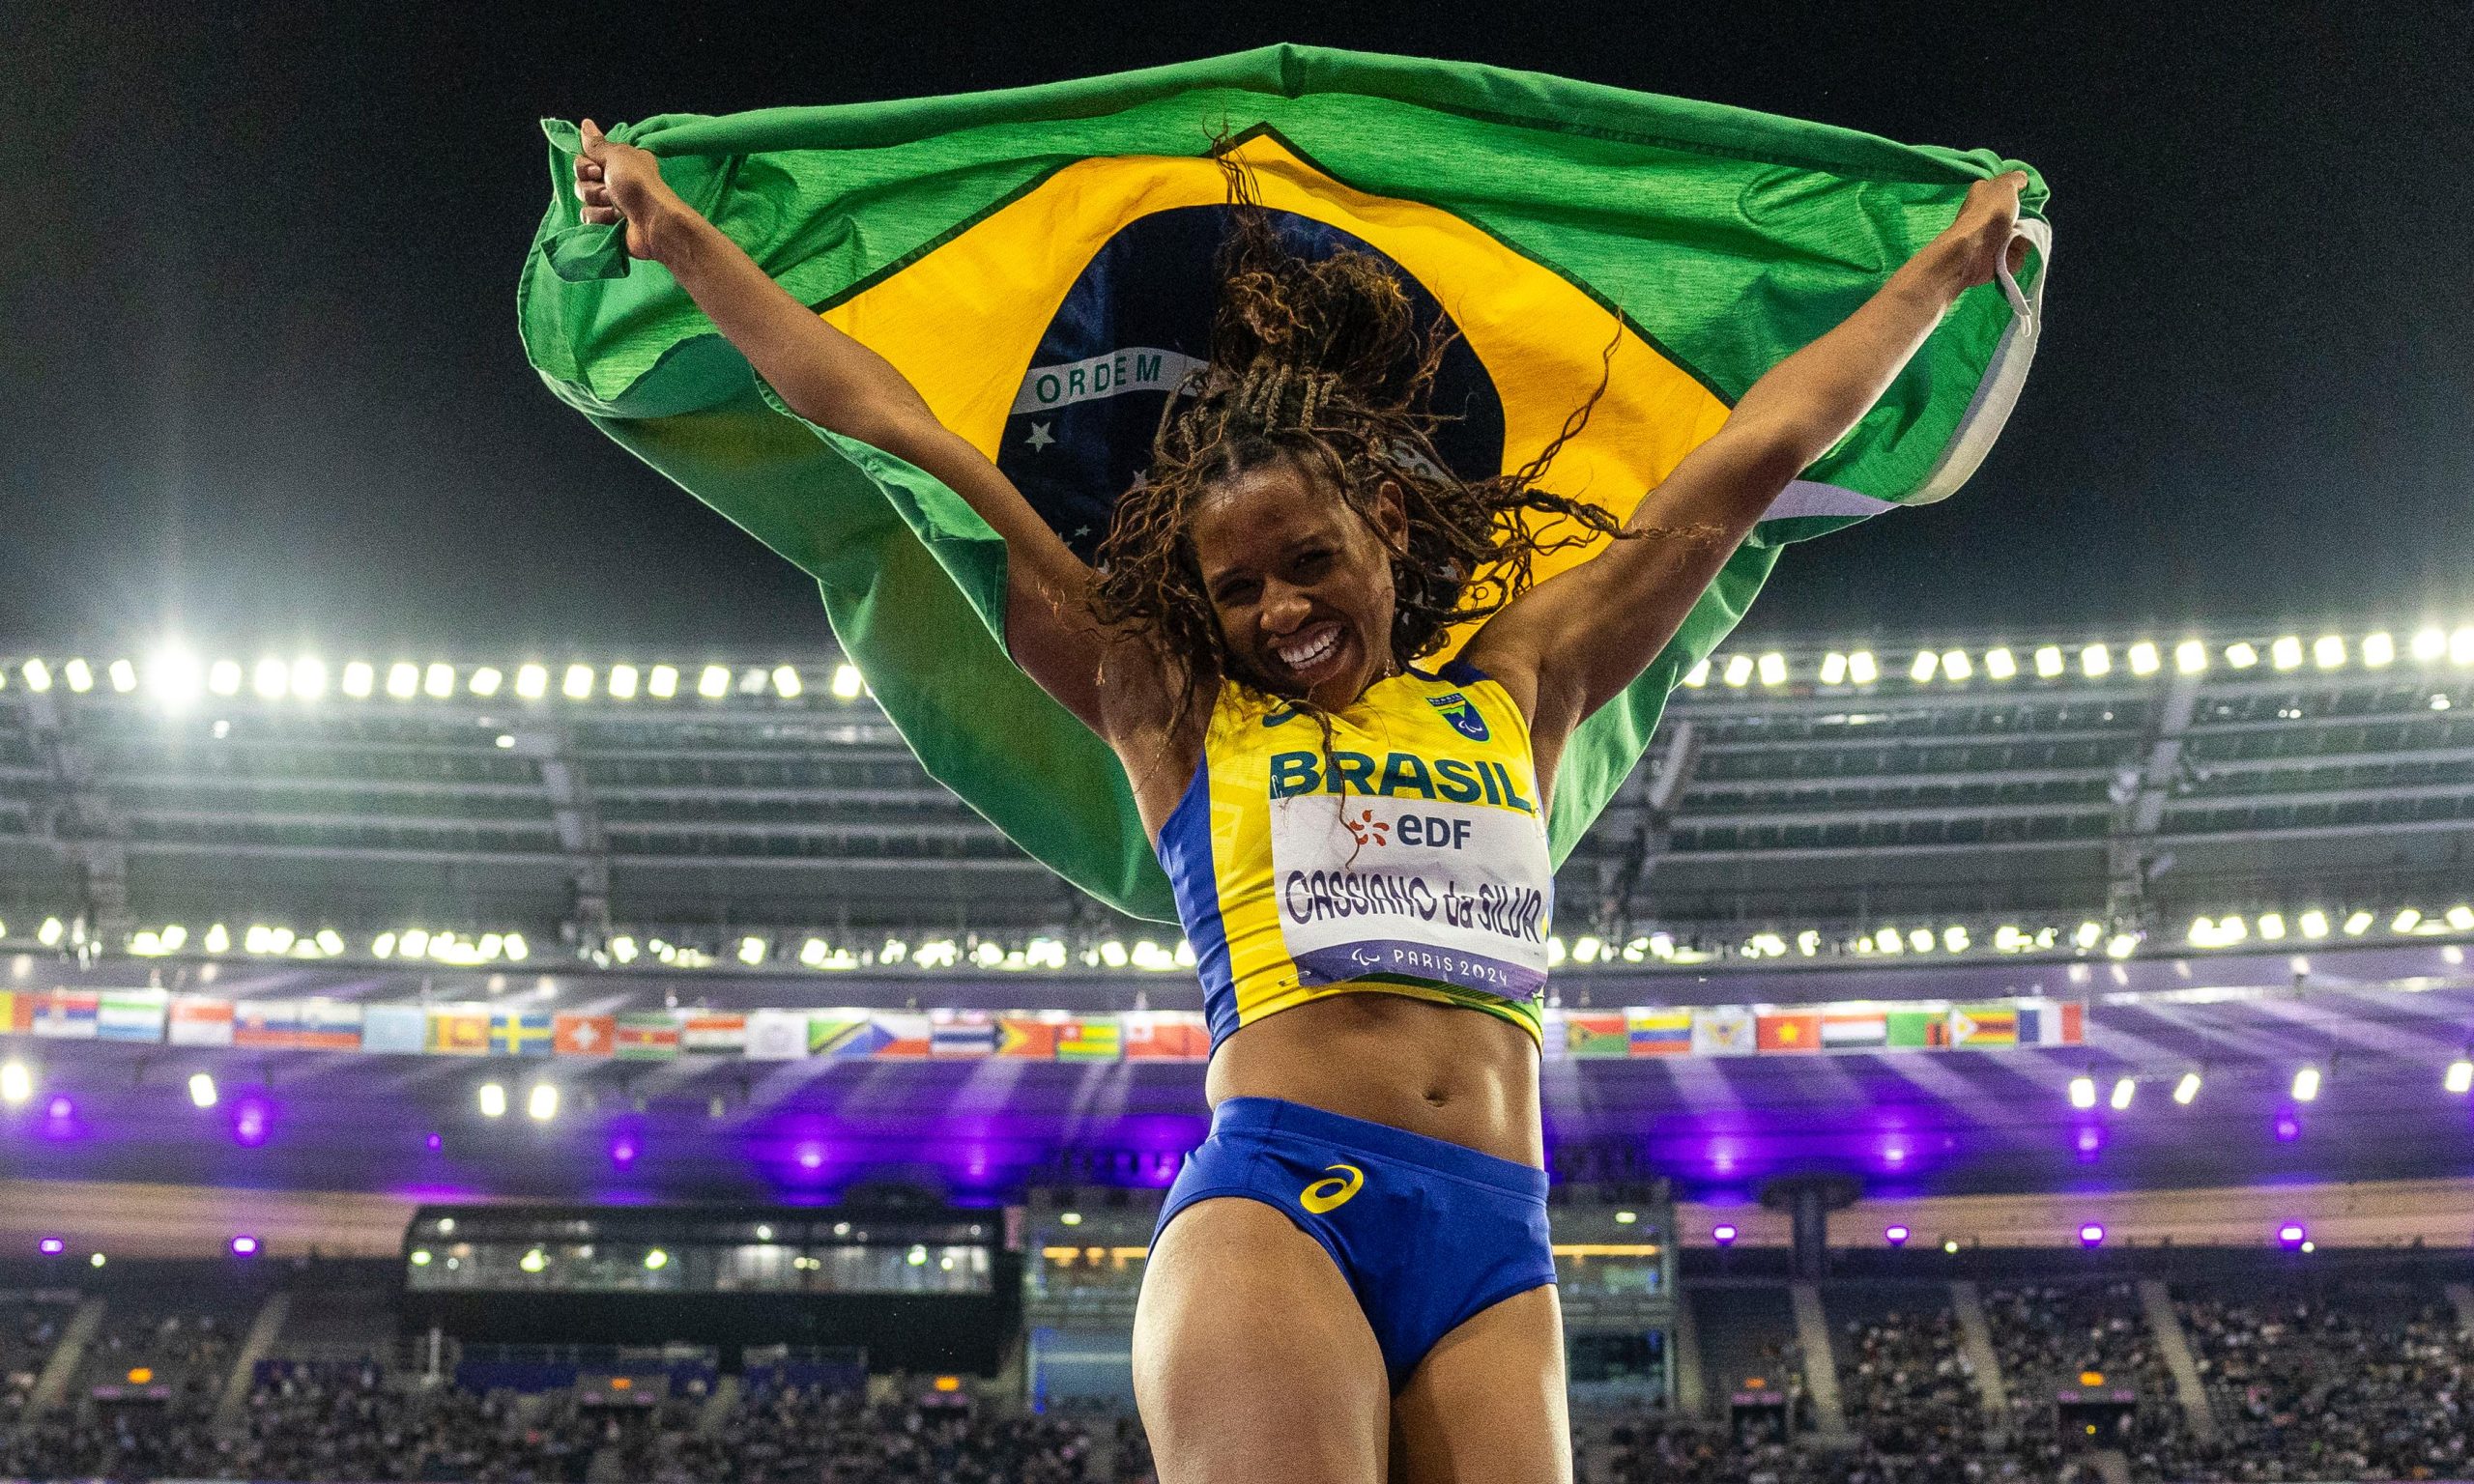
[(1038, 262)]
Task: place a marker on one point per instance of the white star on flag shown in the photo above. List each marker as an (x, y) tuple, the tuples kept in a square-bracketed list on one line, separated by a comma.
[(1041, 437)]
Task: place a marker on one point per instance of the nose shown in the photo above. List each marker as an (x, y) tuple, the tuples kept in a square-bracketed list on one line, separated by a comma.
[(1284, 610)]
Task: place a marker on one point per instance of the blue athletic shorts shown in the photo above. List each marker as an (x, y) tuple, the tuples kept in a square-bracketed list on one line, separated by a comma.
[(1429, 1233)]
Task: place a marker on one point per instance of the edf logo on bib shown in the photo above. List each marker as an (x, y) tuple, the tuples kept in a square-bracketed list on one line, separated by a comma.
[(1463, 716)]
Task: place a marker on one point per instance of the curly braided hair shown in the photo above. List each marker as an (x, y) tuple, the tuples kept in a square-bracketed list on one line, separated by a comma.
[(1322, 363)]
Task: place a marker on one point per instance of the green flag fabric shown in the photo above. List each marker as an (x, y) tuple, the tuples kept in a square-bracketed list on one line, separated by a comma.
[(1038, 262)]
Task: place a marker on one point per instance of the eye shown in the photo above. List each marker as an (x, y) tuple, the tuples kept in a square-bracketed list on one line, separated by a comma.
[(1235, 590), (1313, 561)]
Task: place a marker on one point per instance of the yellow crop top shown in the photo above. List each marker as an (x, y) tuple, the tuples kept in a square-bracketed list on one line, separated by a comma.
[(1408, 858)]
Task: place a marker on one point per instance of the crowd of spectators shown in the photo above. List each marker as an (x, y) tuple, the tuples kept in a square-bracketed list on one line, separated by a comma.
[(28, 1330)]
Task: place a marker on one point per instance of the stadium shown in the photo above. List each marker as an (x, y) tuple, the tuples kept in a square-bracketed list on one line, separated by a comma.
[(2031, 1054)]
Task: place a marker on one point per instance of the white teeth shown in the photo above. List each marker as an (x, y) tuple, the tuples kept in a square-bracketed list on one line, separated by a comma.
[(1304, 655)]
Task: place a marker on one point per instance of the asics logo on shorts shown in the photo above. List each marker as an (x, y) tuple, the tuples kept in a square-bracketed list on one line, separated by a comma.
[(1331, 1194)]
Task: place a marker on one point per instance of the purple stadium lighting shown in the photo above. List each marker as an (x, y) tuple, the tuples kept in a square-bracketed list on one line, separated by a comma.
[(2288, 1127), (60, 1109), (810, 1157), (433, 1143), (249, 1123), (2291, 1235), (1896, 1234), (2092, 1233), (51, 1247), (1723, 1233), (624, 1150), (245, 1245)]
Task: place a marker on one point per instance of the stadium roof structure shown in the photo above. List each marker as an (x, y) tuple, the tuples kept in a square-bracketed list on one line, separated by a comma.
[(1982, 795)]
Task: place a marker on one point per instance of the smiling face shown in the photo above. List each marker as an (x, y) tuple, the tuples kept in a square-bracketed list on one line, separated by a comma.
[(1300, 582)]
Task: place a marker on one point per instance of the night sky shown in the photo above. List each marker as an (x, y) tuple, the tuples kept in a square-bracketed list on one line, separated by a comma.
[(260, 384)]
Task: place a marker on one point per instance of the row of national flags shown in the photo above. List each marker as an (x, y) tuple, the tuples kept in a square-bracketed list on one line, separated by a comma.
[(153, 1015), (1746, 1030)]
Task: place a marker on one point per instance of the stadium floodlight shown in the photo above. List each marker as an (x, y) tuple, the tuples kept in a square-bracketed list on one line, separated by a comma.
[(412, 942), (2145, 660), (2231, 929), (713, 682), (2187, 1089), (2286, 652), (2125, 1088), (622, 682), (662, 682), (273, 679), (847, 682), (79, 674), (361, 677), (753, 680), (656, 1260), (2048, 664), (438, 681), (751, 950), (48, 935), (123, 676), (2306, 1083), (2082, 1090), (1861, 669), (51, 1247), (330, 942), (1833, 669), (2122, 945), (2272, 926), (541, 1104), (2430, 644), (1889, 941), (486, 680), (1738, 670), (2460, 916), (533, 1260), (309, 677), (1585, 949), (2314, 923), (2096, 661), (2328, 651), (786, 683), (2087, 934), (2358, 924), (2000, 664), (2190, 657), (1920, 939), (1808, 942), (202, 1089), (2202, 933), (2460, 1075), (38, 675), (172, 937), (1723, 1233), (1925, 664), (219, 939), (2406, 921), (224, 678), (2092, 1233), (2290, 1236), (812, 951), (516, 948), (623, 949), (403, 680), (493, 1100), (1113, 953), (16, 1083), (1955, 939), (1774, 668), (577, 684), (1896, 1234), (2242, 656), (382, 946), (1956, 664), (245, 1245), (532, 681), (1698, 676), (96, 1261)]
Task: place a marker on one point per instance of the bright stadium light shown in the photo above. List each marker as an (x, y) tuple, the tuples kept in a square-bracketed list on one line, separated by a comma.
[(1920, 939), (309, 677), (2190, 657), (1889, 941), (403, 680), (577, 684), (515, 948), (50, 933), (202, 1089), (224, 678), (2092, 1233), (1833, 669), (272, 680), (663, 683), (2096, 661), (2145, 660), (623, 949), (2460, 1075), (623, 679), (753, 680), (1738, 670), (2286, 653), (2122, 945), (1861, 669), (38, 675), (219, 939), (713, 682), (2328, 651), (2187, 1088), (2460, 918), (786, 683), (2000, 664), (16, 1083), (2083, 1092), (751, 950), (79, 674), (812, 951), (123, 676), (2306, 1084), (486, 680), (2430, 644), (1896, 1234), (1955, 939), (2358, 924), (532, 681), (1698, 676), (1956, 664), (2272, 926), (493, 1100), (2089, 934), (2049, 661), (1774, 668), (2124, 1089), (382, 946), (361, 677), (533, 1260), (656, 1260), (1926, 663), (2406, 921), (438, 681), (2242, 656), (175, 676), (541, 1104), (2314, 923)]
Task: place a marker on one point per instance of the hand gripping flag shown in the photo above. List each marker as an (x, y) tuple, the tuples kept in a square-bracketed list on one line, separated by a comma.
[(1038, 262)]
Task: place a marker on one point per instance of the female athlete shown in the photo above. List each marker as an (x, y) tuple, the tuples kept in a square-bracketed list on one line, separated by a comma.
[(1351, 1281)]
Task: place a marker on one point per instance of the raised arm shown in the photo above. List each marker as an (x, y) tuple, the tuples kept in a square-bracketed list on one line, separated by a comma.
[(1571, 644), (836, 383)]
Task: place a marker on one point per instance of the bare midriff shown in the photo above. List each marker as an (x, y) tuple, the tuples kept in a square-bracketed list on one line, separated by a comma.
[(1442, 1071)]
